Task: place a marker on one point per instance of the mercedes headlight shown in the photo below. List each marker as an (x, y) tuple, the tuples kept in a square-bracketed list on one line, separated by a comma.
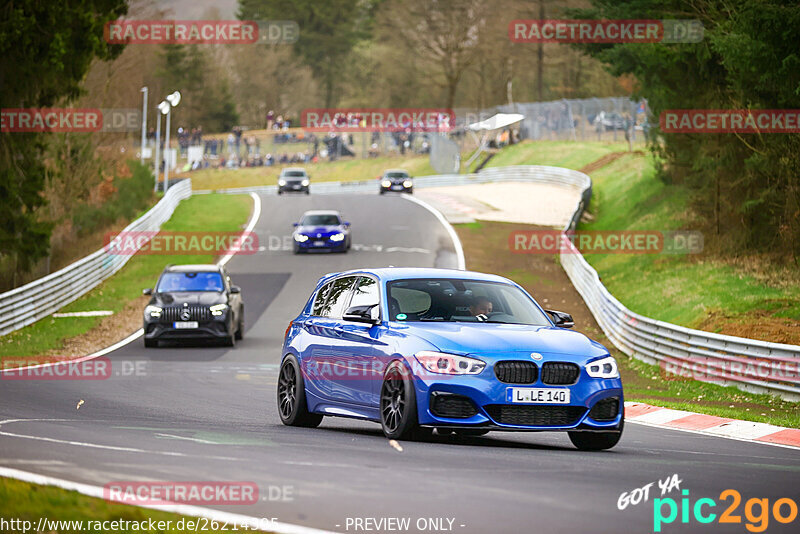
[(603, 368), (407, 184), (386, 183), (153, 311), (281, 182), (305, 183), (449, 364), (218, 309), (337, 237), (300, 238)]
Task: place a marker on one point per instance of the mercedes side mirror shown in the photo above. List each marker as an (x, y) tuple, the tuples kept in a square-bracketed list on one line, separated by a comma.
[(148, 291), (561, 319), (236, 289)]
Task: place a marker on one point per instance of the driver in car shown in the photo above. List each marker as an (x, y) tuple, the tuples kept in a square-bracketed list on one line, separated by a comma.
[(481, 307)]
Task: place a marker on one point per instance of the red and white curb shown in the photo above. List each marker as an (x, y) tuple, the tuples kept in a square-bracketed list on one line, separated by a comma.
[(645, 414)]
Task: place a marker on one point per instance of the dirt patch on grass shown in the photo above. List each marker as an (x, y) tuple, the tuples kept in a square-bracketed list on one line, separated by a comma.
[(762, 325), (605, 160)]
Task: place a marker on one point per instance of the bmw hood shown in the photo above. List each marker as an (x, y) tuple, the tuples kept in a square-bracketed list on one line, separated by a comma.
[(501, 339), (324, 230)]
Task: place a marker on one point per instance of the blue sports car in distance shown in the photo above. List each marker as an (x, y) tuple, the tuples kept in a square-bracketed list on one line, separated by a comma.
[(321, 230), (455, 351)]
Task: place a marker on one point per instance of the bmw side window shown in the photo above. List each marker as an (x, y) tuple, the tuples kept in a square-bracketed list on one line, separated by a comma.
[(319, 301), (365, 293), (338, 297)]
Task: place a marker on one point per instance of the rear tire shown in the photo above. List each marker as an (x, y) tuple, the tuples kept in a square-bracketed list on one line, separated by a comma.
[(398, 405), (596, 441), (292, 405)]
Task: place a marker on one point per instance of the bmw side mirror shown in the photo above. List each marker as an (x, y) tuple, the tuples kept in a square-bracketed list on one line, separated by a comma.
[(148, 291), (346, 223), (360, 314), (561, 319), (236, 289), (294, 224)]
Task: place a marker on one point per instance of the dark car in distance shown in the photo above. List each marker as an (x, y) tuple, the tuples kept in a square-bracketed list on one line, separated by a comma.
[(294, 180), (191, 302), (396, 180)]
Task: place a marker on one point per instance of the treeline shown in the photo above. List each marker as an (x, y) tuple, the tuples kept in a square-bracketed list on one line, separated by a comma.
[(746, 187)]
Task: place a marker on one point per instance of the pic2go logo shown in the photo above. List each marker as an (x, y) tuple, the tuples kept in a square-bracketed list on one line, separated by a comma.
[(756, 511)]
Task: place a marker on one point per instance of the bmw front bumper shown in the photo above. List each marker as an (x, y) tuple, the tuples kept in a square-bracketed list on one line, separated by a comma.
[(594, 404)]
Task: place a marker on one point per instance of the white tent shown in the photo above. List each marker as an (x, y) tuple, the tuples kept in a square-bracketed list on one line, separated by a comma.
[(499, 121)]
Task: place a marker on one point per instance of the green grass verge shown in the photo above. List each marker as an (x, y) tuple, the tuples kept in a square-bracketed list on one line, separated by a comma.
[(568, 154), (680, 289), (209, 213), (30, 502)]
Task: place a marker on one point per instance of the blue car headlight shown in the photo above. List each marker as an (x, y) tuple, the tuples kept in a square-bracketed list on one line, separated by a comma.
[(337, 237), (603, 368), (300, 238), (449, 364)]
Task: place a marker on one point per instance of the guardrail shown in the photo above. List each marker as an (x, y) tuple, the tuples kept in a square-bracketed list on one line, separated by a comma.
[(31, 302), (749, 364)]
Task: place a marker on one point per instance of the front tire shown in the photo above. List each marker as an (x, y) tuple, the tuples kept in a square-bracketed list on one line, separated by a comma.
[(596, 441), (150, 343), (292, 405), (399, 405)]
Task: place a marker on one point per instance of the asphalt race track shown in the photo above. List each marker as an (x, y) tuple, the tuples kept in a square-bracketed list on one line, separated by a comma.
[(209, 413)]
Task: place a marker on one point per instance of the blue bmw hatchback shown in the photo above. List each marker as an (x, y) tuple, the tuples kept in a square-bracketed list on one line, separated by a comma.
[(455, 351)]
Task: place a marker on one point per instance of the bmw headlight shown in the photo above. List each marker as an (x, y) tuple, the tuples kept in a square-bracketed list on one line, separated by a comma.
[(603, 368), (281, 182), (153, 311), (300, 238), (386, 183), (218, 309), (407, 184), (305, 183), (449, 364), (337, 237)]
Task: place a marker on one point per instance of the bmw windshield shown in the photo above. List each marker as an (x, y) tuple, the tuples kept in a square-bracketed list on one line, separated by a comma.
[(320, 220), (455, 300)]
